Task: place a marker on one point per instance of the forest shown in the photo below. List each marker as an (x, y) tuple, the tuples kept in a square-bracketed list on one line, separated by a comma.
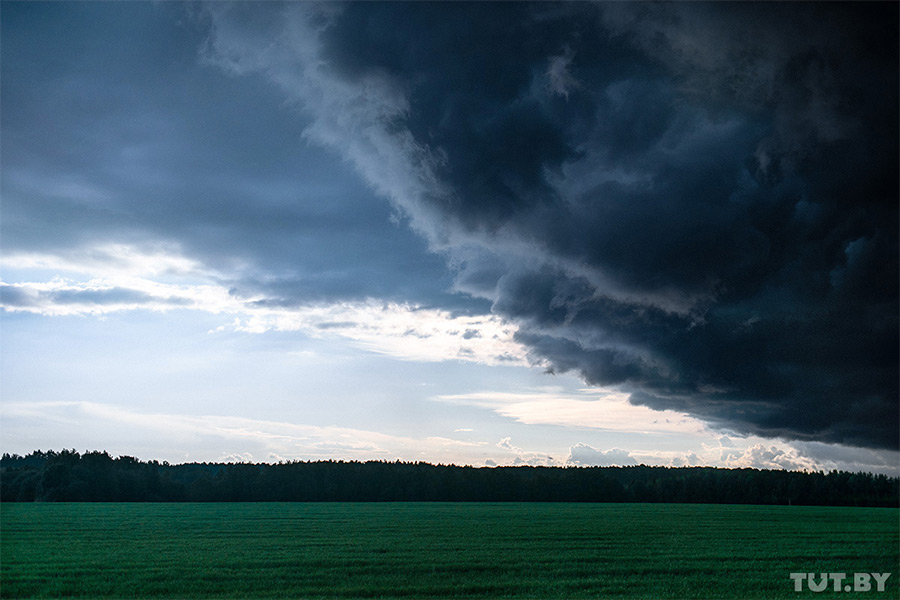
[(67, 476)]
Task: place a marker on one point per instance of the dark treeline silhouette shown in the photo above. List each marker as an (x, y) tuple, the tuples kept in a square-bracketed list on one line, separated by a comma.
[(68, 476)]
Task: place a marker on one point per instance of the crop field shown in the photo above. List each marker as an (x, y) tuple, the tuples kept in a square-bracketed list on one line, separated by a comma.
[(437, 550)]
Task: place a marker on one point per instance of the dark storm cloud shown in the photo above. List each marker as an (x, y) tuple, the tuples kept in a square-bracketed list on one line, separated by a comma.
[(697, 202), (114, 131)]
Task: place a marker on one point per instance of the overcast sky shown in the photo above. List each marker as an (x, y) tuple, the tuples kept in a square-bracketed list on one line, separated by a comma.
[(487, 234)]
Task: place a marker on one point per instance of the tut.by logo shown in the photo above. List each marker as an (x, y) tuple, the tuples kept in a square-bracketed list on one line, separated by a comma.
[(840, 582)]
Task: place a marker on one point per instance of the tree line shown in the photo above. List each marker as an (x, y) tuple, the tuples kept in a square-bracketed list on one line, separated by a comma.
[(68, 476)]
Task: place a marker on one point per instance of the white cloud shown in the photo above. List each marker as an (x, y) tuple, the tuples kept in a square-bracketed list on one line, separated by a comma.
[(97, 297), (595, 409), (110, 279), (507, 445), (584, 455), (244, 457), (399, 330), (110, 260), (762, 456), (522, 457), (535, 460)]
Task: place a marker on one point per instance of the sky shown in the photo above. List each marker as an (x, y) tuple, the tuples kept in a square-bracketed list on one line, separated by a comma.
[(469, 233)]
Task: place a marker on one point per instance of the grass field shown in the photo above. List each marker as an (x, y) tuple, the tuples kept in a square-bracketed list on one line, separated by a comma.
[(436, 550)]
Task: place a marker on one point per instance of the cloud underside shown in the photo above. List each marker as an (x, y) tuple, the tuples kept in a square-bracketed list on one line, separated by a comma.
[(696, 204)]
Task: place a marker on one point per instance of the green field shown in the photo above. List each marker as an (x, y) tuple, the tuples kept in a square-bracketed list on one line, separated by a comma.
[(438, 550)]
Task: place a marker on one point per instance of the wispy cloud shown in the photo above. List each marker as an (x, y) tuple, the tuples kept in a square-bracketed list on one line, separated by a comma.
[(239, 438), (124, 278), (608, 411)]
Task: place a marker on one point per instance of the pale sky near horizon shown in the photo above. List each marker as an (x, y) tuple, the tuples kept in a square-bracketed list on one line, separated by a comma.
[(548, 234)]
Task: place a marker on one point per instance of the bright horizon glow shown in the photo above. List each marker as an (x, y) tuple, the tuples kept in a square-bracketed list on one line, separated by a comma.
[(272, 441)]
